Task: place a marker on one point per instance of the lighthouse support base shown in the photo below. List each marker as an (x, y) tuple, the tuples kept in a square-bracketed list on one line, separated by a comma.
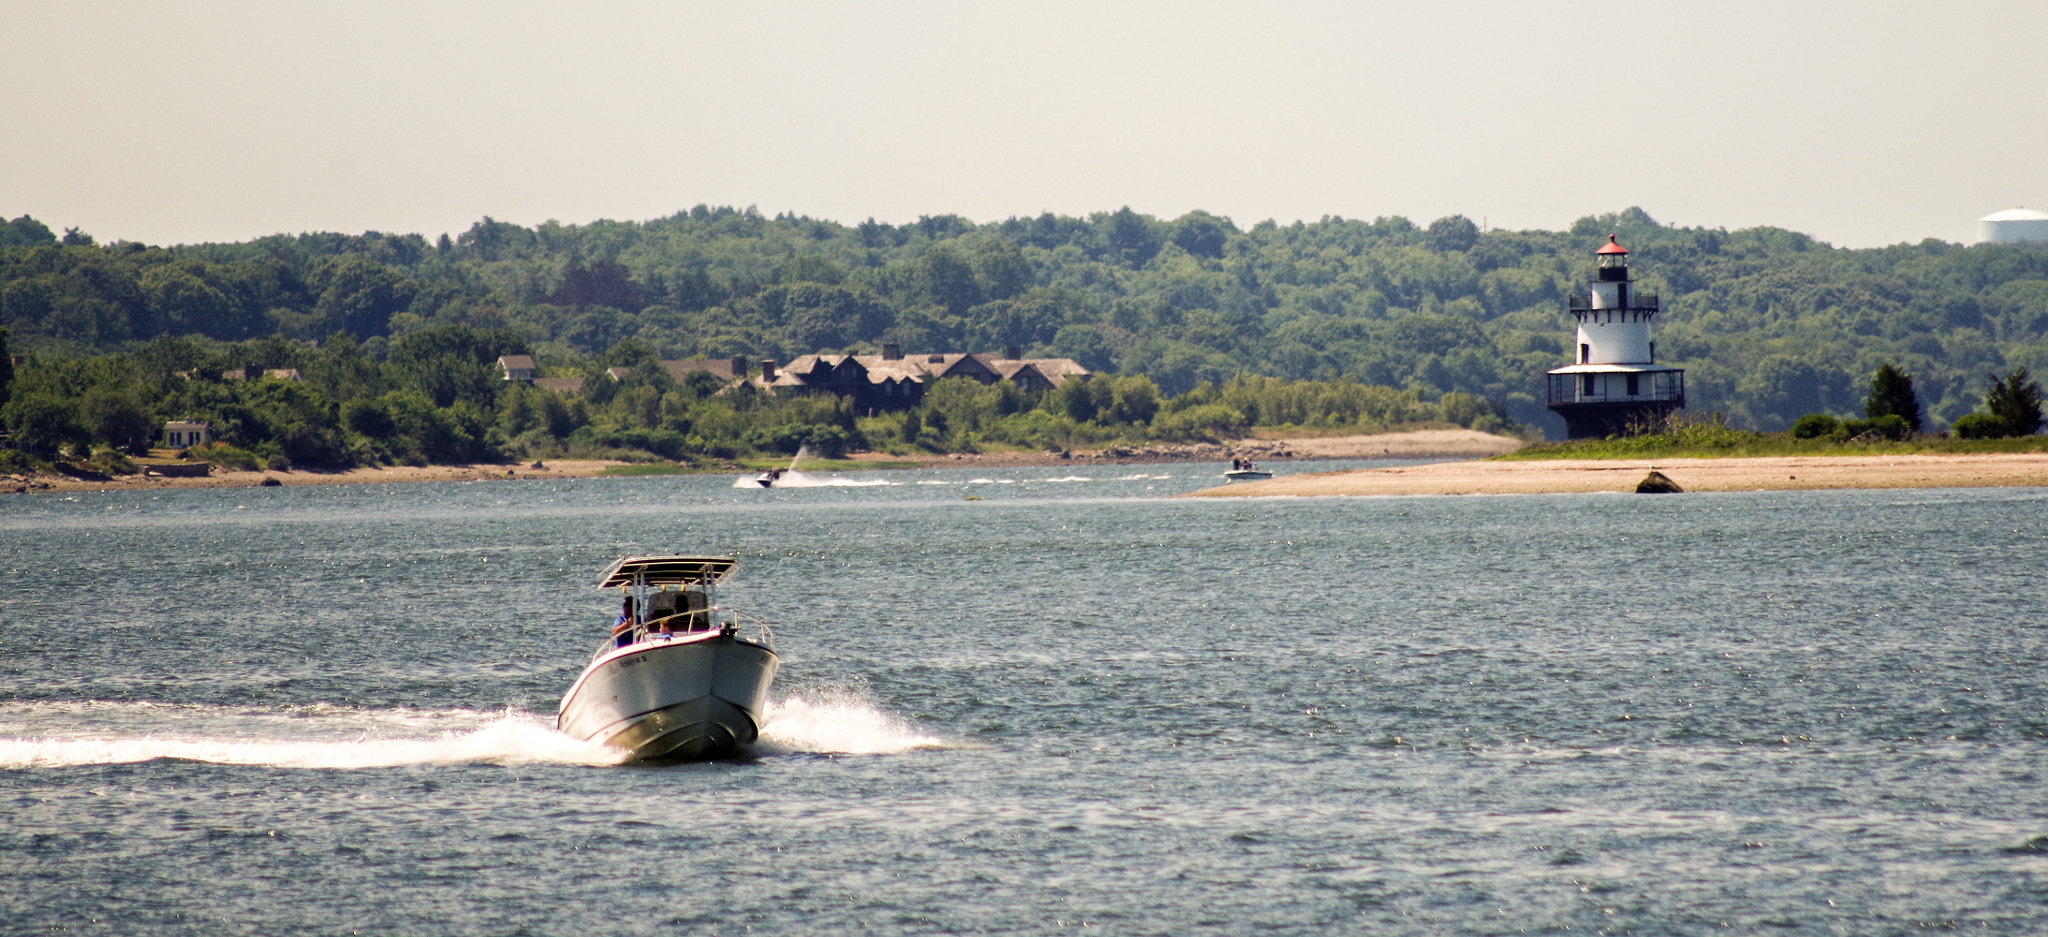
[(1601, 420)]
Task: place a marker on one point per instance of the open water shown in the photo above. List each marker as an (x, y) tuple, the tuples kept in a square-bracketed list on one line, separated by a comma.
[(1034, 701)]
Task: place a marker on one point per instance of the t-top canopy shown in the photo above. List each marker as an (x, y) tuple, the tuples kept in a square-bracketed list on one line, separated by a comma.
[(667, 570)]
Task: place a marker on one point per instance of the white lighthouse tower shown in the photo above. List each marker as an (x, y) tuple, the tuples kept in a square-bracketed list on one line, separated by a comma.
[(1616, 385)]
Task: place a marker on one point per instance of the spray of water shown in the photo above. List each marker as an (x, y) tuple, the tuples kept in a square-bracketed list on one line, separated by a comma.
[(508, 738), (836, 722), (73, 733)]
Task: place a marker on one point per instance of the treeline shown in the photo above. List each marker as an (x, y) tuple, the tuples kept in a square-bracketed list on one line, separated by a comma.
[(438, 396), (1769, 324)]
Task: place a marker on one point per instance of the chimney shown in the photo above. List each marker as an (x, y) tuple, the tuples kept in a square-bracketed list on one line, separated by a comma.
[(935, 359), (892, 351), (1012, 352), (739, 366), (767, 370)]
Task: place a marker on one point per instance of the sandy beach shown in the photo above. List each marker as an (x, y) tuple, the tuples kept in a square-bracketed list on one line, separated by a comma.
[(1584, 475)]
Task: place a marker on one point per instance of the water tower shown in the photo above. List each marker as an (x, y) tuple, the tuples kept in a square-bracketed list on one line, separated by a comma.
[(1616, 386), (2011, 225)]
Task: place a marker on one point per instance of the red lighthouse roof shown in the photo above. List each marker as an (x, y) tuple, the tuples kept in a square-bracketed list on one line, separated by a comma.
[(1611, 247)]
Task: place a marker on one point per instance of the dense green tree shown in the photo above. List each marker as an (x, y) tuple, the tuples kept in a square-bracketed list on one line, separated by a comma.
[(6, 367), (359, 297), (117, 417), (1891, 394), (1131, 237), (43, 423), (2016, 402), (24, 231), (600, 283), (1453, 233), (1201, 234)]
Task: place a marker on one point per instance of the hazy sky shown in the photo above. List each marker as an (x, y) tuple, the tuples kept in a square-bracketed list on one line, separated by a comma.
[(1862, 123)]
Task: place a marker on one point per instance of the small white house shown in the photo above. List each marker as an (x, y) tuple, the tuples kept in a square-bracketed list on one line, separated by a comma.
[(180, 434), (517, 367)]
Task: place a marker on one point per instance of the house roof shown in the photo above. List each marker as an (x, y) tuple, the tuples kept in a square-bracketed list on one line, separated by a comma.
[(810, 370), (717, 367), (516, 362)]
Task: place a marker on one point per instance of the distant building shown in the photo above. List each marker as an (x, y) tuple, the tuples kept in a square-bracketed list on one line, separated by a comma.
[(1616, 385), (725, 369), (517, 367), (888, 381), (894, 381), (2012, 226), (184, 434)]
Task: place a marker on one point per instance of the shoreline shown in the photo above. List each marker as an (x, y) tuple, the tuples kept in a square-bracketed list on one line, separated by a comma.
[(1420, 444), (567, 468), (1577, 476)]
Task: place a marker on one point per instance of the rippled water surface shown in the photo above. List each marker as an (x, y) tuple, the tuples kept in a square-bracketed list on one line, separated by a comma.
[(1035, 701)]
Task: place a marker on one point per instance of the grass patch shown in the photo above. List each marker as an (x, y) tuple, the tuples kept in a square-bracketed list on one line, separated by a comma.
[(649, 468)]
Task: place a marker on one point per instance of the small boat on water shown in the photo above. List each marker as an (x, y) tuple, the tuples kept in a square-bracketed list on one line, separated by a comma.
[(676, 680), (768, 478), (1245, 470)]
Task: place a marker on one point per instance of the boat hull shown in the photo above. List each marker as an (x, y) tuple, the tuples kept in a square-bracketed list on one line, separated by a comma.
[(672, 700), (1247, 475)]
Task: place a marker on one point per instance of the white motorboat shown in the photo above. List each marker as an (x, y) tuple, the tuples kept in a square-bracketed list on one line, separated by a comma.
[(676, 680), (1244, 470)]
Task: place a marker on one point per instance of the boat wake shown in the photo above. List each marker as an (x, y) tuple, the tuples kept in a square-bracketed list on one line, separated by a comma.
[(795, 479), (79, 733), (68, 734), (827, 724)]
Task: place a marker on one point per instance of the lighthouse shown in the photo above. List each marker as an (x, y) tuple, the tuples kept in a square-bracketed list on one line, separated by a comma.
[(1615, 386)]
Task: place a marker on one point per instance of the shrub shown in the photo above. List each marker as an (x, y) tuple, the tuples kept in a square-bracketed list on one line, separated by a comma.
[(1980, 426), (1814, 426), (1892, 426), (16, 462), (113, 461), (225, 456)]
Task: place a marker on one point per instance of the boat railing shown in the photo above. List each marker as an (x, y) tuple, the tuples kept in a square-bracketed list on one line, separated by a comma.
[(767, 634), (706, 619)]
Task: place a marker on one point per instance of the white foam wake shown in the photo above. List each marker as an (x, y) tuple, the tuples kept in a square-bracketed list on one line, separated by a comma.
[(59, 734), (793, 479), (825, 724), (509, 738)]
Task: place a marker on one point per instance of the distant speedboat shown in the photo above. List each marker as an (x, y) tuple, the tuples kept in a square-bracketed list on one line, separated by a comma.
[(768, 478), (1244, 470), (676, 680)]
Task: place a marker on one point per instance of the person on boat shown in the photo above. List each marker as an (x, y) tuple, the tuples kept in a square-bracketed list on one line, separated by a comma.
[(622, 629)]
